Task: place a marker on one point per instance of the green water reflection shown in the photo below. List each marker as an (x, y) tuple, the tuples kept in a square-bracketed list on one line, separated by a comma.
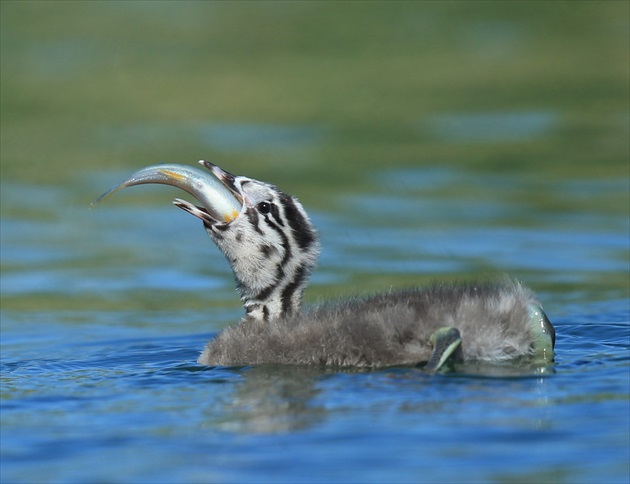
[(323, 99), (428, 140)]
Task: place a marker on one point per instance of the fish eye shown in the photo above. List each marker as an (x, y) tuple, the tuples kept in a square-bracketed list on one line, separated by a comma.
[(264, 207)]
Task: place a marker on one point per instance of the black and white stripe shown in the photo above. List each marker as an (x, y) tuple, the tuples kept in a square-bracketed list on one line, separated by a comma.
[(271, 246)]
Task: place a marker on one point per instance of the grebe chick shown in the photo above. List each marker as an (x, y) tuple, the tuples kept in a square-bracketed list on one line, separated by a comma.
[(272, 247)]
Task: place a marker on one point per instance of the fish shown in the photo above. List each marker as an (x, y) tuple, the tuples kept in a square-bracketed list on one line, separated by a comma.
[(213, 193)]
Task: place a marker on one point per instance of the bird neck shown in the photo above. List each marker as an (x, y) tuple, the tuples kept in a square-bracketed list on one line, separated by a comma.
[(272, 251), (279, 300)]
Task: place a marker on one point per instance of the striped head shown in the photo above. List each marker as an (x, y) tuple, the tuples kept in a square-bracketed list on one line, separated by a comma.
[(271, 244)]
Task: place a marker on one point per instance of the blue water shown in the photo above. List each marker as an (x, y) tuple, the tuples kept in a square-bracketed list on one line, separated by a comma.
[(102, 385), (120, 403), (428, 141)]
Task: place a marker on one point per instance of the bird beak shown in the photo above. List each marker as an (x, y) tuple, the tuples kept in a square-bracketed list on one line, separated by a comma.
[(220, 199), (224, 177)]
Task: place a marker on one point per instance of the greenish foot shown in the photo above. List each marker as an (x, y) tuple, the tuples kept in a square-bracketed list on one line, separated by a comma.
[(447, 347), (543, 333)]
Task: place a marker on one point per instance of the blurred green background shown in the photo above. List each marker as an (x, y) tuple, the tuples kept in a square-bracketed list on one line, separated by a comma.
[(103, 84), (429, 140), (320, 98)]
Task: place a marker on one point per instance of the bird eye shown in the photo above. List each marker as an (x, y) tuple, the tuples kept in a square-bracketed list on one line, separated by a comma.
[(264, 207)]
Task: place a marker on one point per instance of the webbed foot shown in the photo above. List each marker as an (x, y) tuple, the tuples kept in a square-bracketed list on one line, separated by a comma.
[(447, 347), (543, 333)]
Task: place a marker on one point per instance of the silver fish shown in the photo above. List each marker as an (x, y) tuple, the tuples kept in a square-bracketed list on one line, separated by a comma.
[(221, 203)]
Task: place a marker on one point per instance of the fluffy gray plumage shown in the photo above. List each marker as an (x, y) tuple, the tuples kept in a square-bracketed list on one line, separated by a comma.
[(386, 329), (272, 247)]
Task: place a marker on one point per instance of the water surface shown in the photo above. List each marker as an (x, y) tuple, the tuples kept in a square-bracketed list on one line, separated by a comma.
[(428, 141)]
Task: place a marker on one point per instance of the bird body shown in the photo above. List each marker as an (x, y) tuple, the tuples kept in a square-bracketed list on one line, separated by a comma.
[(388, 329), (272, 247)]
